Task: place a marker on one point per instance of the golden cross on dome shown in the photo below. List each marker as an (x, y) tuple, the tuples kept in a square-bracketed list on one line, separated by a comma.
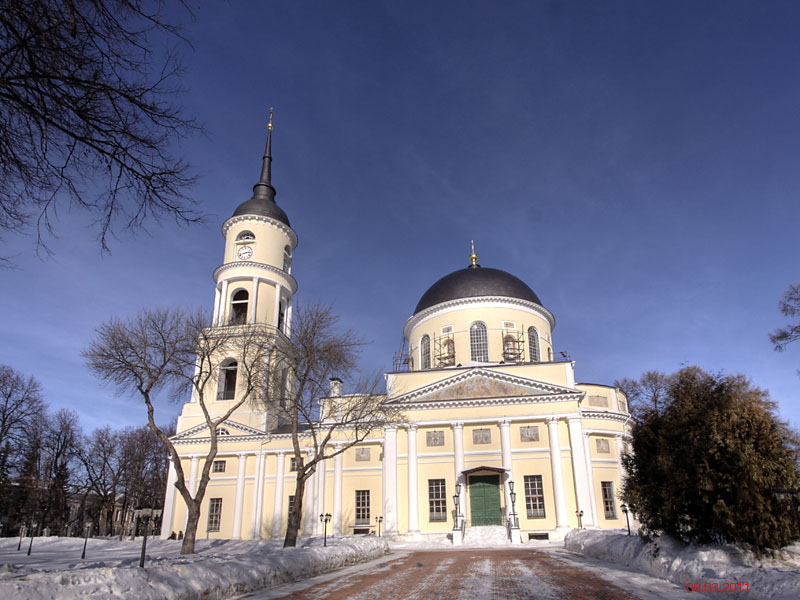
[(269, 125), (473, 257)]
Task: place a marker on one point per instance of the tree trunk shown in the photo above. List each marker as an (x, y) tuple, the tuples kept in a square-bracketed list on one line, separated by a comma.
[(190, 535), (296, 514)]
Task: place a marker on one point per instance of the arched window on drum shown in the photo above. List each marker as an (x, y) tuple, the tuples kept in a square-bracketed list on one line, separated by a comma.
[(425, 352), (533, 344), (478, 342)]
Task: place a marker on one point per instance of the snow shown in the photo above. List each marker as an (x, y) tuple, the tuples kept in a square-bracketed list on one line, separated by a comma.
[(776, 578), (486, 536), (219, 568)]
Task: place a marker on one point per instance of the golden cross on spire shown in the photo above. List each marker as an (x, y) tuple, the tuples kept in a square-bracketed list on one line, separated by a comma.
[(473, 257), (269, 125)]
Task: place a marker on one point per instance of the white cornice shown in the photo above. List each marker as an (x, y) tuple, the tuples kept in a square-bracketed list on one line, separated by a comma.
[(478, 302), (604, 414), (256, 265), (262, 219)]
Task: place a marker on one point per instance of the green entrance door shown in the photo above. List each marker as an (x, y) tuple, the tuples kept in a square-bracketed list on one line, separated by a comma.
[(484, 500)]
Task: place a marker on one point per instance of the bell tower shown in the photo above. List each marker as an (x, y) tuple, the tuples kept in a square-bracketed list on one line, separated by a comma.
[(254, 284)]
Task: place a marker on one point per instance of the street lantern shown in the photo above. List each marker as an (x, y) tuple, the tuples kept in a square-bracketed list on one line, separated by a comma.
[(458, 489), (324, 519), (379, 520), (580, 518), (627, 520)]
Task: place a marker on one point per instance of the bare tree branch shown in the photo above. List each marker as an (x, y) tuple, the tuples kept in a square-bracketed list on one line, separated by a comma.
[(88, 115)]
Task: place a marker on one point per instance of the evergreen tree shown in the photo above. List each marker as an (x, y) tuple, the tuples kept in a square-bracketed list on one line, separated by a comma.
[(710, 464)]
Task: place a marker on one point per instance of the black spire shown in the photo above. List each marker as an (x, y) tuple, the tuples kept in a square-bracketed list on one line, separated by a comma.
[(264, 189), (263, 200)]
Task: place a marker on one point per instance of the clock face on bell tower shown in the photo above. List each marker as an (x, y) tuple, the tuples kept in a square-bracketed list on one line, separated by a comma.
[(244, 252)]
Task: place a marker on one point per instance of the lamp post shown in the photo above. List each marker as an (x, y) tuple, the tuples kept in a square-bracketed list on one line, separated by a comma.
[(513, 495), (21, 535), (324, 519), (580, 518), (34, 525), (147, 514), (379, 520), (88, 529), (456, 499), (624, 508)]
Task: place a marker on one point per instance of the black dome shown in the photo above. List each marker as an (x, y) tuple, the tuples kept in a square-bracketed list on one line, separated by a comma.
[(262, 207), (476, 281)]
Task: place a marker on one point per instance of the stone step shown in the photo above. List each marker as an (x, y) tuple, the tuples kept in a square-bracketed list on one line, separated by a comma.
[(486, 535)]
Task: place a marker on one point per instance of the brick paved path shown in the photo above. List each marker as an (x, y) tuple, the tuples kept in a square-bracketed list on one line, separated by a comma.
[(466, 575)]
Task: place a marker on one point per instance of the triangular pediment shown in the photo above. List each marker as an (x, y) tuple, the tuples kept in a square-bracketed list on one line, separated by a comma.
[(482, 384), (229, 431)]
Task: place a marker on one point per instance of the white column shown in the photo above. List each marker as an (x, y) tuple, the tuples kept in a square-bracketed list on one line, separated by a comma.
[(558, 474), (277, 305), (505, 447), (223, 302), (215, 318), (310, 501), (588, 457), (413, 493), (239, 501), (458, 447), (620, 451), (254, 300), (288, 318), (258, 497), (337, 493), (390, 480), (277, 510), (169, 502), (321, 476), (579, 469), (192, 485)]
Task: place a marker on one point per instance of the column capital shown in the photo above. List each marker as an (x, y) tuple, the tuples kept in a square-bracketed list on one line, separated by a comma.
[(242, 455), (504, 422), (411, 427), (279, 452), (390, 429), (338, 446), (574, 418), (552, 420), (458, 425)]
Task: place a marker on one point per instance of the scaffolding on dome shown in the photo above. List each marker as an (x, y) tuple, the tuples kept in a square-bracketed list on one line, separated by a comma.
[(513, 344), (444, 350)]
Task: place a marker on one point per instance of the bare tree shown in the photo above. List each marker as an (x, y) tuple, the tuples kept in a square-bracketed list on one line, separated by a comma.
[(649, 393), (101, 457), (173, 349), (88, 114), (789, 307), (299, 386), (20, 402)]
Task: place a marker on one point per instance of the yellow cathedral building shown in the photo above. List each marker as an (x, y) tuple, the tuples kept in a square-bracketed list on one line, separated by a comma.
[(490, 415)]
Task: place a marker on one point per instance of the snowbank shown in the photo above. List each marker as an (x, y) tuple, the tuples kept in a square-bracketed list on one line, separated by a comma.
[(774, 578), (220, 568)]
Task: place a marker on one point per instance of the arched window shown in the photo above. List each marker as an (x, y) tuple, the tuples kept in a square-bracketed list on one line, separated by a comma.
[(245, 235), (239, 307), (227, 380), (533, 344), (425, 352), (287, 259), (478, 342), (281, 316)]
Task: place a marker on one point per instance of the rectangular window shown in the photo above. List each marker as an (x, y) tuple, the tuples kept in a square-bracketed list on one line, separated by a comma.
[(214, 514), (290, 503), (437, 500), (218, 466), (434, 438), (293, 463), (534, 497), (623, 406), (481, 436), (362, 455), (609, 506), (447, 329), (509, 325), (529, 433), (602, 446), (362, 507)]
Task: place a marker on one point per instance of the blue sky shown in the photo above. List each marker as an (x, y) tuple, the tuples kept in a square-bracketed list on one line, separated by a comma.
[(635, 163)]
